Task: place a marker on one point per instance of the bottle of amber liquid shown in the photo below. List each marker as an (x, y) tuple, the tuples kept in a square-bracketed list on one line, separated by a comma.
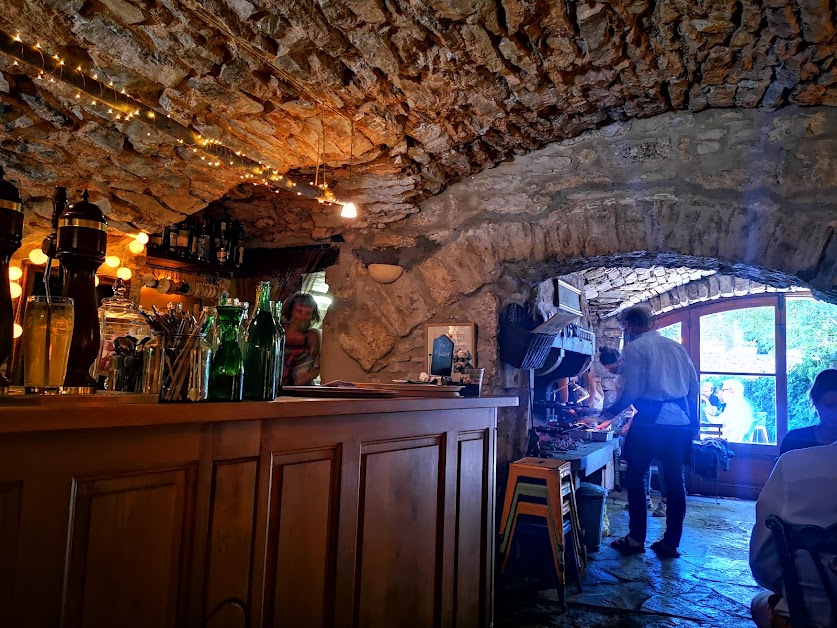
[(260, 351)]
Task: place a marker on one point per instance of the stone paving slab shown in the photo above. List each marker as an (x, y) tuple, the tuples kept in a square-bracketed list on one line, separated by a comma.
[(709, 586)]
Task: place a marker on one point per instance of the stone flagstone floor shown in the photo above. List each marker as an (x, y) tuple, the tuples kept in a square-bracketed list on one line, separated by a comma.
[(709, 586)]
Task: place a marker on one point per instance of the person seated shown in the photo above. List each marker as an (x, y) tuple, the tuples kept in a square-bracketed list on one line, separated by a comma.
[(710, 404), (823, 398), (737, 417), (801, 492)]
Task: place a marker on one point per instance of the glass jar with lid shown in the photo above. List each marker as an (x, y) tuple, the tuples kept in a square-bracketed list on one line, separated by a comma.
[(123, 331)]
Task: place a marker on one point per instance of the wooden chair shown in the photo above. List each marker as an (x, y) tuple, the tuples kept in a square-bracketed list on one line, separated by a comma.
[(715, 430), (817, 542)]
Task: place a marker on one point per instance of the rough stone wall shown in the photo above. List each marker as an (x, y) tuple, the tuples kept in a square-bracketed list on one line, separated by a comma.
[(762, 207), (434, 91)]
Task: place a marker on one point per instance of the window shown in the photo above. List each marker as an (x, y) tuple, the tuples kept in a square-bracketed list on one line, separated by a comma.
[(673, 331), (738, 369), (757, 358), (811, 348)]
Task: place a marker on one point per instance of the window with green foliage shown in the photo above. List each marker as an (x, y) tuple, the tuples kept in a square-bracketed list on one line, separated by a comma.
[(673, 331), (811, 348), (740, 347)]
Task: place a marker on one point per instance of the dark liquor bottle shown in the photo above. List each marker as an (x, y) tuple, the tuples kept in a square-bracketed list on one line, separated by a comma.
[(183, 238), (170, 239), (239, 244), (222, 244), (199, 242), (227, 369), (155, 241), (260, 353)]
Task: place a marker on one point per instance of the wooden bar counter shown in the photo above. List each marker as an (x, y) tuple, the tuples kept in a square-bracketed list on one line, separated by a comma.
[(299, 513)]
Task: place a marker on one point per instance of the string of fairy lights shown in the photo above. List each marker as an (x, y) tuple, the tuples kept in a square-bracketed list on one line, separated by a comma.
[(108, 101), (95, 91)]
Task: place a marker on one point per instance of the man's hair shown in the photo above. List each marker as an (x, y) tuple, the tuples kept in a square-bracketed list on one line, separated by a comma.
[(637, 316), (826, 381), (609, 355)]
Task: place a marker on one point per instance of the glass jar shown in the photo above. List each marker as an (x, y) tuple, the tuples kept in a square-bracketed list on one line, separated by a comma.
[(211, 326), (123, 329), (226, 374), (176, 367)]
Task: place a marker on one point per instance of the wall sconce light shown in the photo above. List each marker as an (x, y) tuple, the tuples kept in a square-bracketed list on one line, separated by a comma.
[(385, 273)]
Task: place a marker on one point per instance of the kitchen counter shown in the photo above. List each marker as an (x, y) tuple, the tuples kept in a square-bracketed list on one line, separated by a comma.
[(299, 512)]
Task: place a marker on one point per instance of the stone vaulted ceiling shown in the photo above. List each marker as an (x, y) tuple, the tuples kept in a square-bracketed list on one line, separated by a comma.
[(434, 89)]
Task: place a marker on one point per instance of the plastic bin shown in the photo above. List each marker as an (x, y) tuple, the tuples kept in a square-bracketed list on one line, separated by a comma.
[(591, 509)]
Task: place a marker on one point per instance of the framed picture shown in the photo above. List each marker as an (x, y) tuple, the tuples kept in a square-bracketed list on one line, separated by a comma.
[(464, 338)]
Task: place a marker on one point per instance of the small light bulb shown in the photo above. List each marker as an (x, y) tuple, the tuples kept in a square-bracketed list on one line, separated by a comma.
[(37, 257), (96, 280), (124, 273), (136, 247), (142, 236), (18, 331), (111, 261), (15, 289), (349, 210), (15, 273)]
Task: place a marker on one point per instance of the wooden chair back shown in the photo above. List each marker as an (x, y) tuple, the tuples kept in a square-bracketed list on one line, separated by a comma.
[(818, 542)]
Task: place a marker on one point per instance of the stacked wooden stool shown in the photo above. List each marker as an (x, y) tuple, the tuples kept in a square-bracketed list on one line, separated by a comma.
[(544, 489)]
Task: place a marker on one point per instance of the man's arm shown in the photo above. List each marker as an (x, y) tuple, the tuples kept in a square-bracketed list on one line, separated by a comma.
[(634, 380), (764, 555), (693, 397)]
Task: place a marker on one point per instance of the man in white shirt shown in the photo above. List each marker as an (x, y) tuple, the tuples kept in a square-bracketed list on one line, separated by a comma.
[(661, 383), (801, 492)]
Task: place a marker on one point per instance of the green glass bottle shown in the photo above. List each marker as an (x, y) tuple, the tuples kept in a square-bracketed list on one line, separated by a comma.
[(280, 346), (260, 353), (227, 370)]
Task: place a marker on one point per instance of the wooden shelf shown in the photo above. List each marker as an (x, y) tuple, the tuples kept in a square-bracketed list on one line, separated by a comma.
[(166, 261)]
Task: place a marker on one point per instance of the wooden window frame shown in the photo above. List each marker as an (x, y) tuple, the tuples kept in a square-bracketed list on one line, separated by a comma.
[(689, 318)]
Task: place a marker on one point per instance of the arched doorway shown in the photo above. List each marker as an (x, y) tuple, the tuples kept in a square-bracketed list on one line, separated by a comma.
[(756, 357)]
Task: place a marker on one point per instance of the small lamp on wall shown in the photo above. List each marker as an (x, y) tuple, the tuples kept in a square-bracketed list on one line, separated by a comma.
[(385, 273)]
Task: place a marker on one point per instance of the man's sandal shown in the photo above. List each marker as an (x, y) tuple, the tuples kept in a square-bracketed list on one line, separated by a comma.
[(663, 550), (626, 548)]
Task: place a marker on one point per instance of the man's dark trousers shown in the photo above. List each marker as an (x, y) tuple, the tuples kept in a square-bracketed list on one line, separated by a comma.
[(668, 445)]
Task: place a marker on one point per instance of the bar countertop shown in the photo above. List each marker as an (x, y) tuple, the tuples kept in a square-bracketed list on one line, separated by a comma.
[(101, 412)]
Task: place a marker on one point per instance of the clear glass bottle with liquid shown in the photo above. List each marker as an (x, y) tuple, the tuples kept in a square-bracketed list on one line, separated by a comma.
[(280, 345)]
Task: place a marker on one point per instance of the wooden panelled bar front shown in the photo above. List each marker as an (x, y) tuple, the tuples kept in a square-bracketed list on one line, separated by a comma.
[(356, 513)]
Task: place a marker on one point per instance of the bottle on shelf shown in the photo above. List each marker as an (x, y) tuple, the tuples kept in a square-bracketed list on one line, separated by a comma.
[(260, 354), (222, 242), (199, 242), (183, 241), (240, 248)]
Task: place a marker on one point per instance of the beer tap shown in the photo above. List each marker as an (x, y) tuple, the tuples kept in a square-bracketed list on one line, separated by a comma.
[(11, 234), (80, 247)]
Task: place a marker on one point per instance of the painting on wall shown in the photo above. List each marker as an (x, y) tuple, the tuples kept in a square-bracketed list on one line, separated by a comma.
[(463, 355)]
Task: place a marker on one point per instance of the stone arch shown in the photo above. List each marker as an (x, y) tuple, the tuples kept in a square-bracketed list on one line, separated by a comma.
[(748, 193)]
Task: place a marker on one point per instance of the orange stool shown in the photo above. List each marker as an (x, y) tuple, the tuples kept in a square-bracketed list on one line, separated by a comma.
[(560, 507)]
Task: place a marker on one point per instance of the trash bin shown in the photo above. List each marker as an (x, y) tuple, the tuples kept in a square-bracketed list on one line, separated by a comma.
[(591, 508)]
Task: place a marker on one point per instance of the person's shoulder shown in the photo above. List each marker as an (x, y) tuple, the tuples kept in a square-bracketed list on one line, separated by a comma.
[(800, 438), (806, 459)]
